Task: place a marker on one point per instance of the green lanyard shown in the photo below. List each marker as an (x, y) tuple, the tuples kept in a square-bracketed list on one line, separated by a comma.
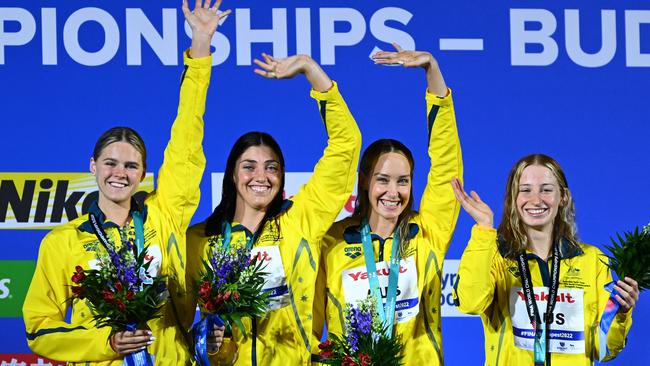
[(103, 238), (386, 312), (226, 229)]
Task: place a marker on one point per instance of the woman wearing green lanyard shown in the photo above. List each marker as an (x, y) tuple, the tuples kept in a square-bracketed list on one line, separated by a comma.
[(252, 212), (540, 293), (159, 223), (385, 248)]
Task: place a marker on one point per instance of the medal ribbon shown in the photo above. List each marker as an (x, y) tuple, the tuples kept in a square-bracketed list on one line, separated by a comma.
[(542, 331), (386, 312)]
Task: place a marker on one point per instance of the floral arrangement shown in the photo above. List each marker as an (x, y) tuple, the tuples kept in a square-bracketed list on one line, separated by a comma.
[(231, 284), (121, 294), (364, 341), (630, 256)]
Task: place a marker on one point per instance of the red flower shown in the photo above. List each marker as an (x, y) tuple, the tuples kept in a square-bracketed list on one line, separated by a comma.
[(226, 295), (349, 361), (79, 291), (107, 295), (118, 287), (120, 305), (220, 297), (204, 290), (326, 354), (325, 345), (209, 306), (365, 359), (235, 295), (130, 295), (78, 277), (79, 274)]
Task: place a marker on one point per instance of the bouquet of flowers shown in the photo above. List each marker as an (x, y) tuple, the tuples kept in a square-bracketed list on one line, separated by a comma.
[(121, 294), (229, 289), (364, 341), (630, 257)]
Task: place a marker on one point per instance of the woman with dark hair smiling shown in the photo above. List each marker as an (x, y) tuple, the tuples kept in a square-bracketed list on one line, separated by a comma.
[(284, 232), (386, 249), (539, 291)]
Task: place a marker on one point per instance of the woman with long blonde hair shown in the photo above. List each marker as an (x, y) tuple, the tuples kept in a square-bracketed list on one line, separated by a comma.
[(540, 292)]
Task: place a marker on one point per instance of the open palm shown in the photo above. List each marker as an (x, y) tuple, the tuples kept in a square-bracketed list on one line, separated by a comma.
[(402, 57), (473, 205), (204, 19)]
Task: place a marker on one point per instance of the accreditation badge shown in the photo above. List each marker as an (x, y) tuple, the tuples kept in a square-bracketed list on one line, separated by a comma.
[(567, 328), (356, 287), (275, 280)]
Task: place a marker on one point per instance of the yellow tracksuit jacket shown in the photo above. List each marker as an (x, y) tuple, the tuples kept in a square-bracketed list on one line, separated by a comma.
[(343, 277), (282, 337), (489, 285), (167, 213)]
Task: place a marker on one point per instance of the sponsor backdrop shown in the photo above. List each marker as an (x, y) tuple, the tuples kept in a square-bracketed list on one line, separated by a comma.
[(568, 79)]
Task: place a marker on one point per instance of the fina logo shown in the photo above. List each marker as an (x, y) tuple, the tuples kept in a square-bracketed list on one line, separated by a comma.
[(4, 288)]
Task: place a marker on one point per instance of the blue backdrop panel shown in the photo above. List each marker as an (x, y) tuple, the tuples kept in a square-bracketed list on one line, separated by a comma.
[(568, 79)]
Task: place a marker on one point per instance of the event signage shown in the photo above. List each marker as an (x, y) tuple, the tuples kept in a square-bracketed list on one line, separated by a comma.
[(45, 200), (15, 277)]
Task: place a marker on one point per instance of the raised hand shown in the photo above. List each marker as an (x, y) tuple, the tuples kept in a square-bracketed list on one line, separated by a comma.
[(435, 81), (203, 20), (628, 294), (403, 57), (473, 205), (287, 68)]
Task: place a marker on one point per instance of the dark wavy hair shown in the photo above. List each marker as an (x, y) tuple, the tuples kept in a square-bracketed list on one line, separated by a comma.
[(512, 231), (366, 168), (225, 211)]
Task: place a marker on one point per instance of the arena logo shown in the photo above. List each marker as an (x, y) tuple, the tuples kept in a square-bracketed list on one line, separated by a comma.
[(45, 200), (164, 43), (294, 180)]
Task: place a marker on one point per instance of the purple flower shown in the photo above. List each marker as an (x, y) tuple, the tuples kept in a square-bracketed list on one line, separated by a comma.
[(358, 324)]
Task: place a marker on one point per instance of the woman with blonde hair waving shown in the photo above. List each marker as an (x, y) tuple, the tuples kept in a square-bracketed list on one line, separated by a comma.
[(539, 291)]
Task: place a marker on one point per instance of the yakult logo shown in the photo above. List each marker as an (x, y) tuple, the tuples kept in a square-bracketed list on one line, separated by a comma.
[(542, 296), (262, 256), (380, 272)]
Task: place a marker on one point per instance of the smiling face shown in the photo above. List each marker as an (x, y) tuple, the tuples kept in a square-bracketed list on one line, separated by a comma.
[(539, 198), (389, 187), (118, 171), (257, 177)]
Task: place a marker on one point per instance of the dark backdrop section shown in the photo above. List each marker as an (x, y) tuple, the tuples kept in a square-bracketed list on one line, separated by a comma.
[(569, 80)]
